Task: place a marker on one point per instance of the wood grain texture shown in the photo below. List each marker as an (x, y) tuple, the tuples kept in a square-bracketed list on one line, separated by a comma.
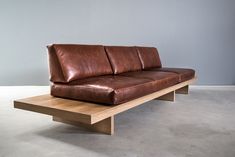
[(105, 126)]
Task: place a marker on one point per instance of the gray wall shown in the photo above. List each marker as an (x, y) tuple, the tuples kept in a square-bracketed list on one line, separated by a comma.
[(188, 33)]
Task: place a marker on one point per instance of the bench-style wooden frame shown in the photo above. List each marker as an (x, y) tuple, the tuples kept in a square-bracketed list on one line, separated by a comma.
[(96, 117)]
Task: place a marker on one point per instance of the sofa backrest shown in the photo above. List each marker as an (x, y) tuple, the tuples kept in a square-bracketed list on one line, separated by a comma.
[(72, 62), (149, 57), (56, 74), (123, 58)]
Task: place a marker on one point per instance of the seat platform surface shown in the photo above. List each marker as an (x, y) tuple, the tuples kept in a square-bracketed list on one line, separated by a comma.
[(71, 109)]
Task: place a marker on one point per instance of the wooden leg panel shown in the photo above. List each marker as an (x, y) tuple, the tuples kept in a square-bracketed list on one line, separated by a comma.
[(105, 126), (167, 97), (183, 90)]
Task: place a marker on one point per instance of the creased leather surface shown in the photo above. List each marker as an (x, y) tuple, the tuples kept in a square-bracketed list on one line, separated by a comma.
[(107, 89), (82, 61), (56, 74), (149, 57), (123, 59), (85, 72), (184, 74), (161, 79)]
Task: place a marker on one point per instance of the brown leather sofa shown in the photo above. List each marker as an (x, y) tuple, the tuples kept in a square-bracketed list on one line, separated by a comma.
[(109, 74)]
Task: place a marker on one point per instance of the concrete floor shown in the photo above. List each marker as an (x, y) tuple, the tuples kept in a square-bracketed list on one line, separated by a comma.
[(201, 124)]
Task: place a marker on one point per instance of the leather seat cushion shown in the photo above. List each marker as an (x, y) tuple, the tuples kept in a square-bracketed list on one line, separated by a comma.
[(162, 79), (107, 89), (184, 74), (82, 61), (123, 58), (149, 57)]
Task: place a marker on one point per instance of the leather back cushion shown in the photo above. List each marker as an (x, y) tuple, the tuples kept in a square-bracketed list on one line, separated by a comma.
[(56, 74), (82, 61), (149, 57), (123, 59)]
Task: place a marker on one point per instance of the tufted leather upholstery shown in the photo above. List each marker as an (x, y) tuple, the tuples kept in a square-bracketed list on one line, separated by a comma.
[(123, 59)]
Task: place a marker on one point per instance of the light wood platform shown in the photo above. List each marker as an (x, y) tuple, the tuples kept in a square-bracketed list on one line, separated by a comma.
[(97, 117)]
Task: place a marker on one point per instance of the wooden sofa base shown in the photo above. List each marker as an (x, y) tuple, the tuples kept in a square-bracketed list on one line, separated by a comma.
[(96, 117), (167, 97)]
